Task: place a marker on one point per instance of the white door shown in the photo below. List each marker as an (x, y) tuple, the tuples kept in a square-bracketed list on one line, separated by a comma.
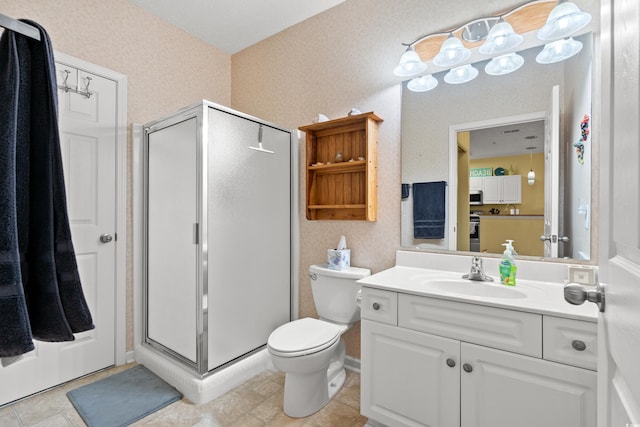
[(552, 175), (88, 143), (619, 325)]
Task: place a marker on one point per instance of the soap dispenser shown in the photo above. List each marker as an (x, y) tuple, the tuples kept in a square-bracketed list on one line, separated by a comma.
[(508, 265)]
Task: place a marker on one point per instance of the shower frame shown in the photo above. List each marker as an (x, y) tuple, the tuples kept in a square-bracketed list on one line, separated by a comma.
[(201, 114)]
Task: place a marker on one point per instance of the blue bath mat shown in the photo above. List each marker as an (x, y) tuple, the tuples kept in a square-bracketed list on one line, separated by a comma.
[(122, 398)]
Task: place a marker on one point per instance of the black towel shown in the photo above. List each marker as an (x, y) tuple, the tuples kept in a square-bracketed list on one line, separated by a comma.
[(429, 210), (405, 191), (51, 283), (15, 330)]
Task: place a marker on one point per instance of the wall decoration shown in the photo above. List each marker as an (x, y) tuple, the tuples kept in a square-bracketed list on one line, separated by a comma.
[(584, 133), (480, 172)]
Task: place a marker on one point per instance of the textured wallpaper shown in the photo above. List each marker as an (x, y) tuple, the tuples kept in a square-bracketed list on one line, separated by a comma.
[(341, 59), (328, 64), (167, 68)]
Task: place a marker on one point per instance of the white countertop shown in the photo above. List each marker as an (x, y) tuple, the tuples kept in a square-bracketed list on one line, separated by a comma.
[(530, 296)]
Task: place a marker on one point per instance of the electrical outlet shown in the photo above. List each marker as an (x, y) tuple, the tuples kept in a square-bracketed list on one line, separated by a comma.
[(582, 275)]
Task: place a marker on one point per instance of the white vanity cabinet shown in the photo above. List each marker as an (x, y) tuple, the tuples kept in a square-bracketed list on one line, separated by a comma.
[(446, 363), (406, 378), (502, 189)]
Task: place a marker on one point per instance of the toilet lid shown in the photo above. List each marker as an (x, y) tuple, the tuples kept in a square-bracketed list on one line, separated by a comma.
[(303, 336)]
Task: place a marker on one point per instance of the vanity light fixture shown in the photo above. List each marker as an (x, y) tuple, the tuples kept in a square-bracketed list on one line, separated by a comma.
[(451, 53), (422, 84), (504, 64), (453, 50), (410, 64), (501, 38), (478, 30), (460, 75), (559, 50), (565, 19)]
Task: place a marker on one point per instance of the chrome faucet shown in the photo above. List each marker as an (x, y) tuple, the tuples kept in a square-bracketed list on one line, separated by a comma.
[(477, 271)]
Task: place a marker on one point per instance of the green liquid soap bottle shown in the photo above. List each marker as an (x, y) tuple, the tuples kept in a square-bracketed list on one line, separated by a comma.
[(508, 265)]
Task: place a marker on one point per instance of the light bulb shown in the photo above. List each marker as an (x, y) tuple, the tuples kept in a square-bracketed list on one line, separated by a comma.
[(422, 84), (461, 74), (531, 177), (410, 64), (505, 64), (452, 52)]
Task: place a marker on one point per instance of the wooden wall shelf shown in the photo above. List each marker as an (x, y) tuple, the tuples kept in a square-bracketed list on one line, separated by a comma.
[(344, 190)]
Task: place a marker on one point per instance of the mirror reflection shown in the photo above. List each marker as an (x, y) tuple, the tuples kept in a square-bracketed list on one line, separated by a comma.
[(484, 138)]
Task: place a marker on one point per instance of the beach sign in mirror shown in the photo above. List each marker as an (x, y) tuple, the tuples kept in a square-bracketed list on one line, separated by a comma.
[(480, 172)]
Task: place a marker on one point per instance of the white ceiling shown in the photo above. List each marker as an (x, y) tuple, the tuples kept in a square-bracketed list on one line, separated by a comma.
[(509, 140), (232, 25)]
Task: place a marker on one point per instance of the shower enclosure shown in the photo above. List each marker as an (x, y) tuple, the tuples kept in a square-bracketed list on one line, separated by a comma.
[(218, 235)]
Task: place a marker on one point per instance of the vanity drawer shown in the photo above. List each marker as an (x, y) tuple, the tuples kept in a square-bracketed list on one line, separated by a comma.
[(379, 306), (574, 342), (509, 330)]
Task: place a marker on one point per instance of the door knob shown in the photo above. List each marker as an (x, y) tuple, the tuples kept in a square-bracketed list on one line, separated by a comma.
[(106, 238), (467, 367), (554, 238), (576, 294)]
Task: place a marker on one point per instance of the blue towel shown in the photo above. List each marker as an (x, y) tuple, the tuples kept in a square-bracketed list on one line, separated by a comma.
[(429, 210), (38, 236)]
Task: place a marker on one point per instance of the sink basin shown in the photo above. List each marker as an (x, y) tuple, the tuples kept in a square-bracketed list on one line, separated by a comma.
[(473, 288)]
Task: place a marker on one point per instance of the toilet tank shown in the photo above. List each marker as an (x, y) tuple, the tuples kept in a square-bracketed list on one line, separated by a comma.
[(334, 292)]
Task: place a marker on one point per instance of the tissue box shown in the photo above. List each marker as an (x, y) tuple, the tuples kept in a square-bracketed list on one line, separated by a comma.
[(339, 259)]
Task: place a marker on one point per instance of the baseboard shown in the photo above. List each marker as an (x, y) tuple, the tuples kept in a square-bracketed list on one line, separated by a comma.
[(352, 364), (130, 357)]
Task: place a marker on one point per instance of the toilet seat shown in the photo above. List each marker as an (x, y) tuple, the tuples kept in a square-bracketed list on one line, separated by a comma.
[(303, 336)]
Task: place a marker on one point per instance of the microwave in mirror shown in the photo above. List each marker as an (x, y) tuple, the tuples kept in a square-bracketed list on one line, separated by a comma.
[(475, 197)]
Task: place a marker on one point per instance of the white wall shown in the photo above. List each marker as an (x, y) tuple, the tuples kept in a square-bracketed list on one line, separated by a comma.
[(578, 180)]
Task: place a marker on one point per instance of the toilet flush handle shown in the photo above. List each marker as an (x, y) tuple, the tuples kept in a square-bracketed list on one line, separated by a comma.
[(359, 298)]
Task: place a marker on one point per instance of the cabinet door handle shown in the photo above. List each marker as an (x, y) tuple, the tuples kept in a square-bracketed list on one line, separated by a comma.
[(578, 345), (467, 367), (376, 306), (451, 363)]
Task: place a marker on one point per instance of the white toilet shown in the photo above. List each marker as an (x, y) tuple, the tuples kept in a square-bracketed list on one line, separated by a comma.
[(311, 351)]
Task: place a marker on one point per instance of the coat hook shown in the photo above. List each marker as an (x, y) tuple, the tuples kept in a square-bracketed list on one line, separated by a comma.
[(65, 86), (86, 88)]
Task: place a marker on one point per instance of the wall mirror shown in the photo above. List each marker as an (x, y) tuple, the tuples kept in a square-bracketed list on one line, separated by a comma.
[(497, 125)]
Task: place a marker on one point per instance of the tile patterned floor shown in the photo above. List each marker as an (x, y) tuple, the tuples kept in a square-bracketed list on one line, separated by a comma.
[(258, 402)]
